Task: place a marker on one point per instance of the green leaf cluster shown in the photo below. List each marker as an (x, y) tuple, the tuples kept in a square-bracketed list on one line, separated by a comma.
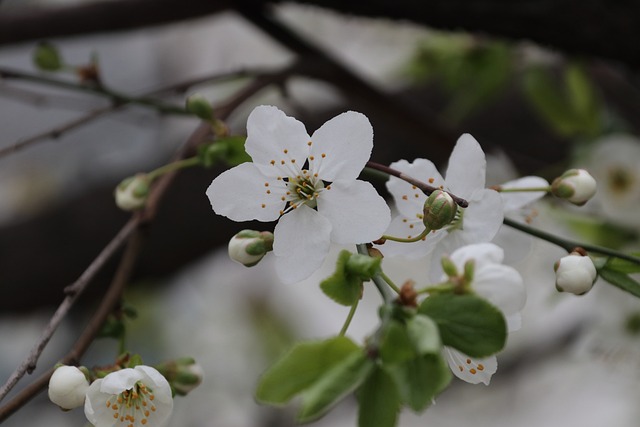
[(571, 105), (229, 149), (345, 285)]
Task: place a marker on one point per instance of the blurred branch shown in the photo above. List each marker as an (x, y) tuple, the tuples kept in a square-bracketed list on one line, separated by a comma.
[(179, 87), (595, 27), (131, 231)]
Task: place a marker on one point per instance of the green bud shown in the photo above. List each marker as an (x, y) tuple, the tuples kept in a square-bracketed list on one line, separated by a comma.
[(199, 106), (449, 267), (575, 185), (47, 58), (469, 269), (248, 247), (183, 374), (439, 210), (363, 266), (131, 194)]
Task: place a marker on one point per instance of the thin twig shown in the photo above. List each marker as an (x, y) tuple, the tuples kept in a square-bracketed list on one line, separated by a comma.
[(58, 131), (72, 291), (426, 188)]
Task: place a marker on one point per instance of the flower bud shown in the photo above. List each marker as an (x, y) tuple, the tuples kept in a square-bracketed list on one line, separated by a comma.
[(132, 192), (575, 273), (68, 387), (248, 247), (47, 58), (200, 107), (439, 210), (575, 185), (183, 374)]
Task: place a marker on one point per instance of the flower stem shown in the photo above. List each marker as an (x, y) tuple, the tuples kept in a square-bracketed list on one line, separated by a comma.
[(378, 280), (410, 239), (569, 245), (426, 188), (390, 282), (439, 287), (170, 167), (516, 190), (347, 321)]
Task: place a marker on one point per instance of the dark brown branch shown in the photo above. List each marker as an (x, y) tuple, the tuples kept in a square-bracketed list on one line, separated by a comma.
[(426, 188), (586, 27)]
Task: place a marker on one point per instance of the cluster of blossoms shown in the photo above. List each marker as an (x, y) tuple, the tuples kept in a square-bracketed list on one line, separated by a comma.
[(128, 397), (308, 183)]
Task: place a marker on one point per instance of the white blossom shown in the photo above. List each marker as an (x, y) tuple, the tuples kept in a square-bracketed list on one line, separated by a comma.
[(575, 185), (499, 284), (307, 183), (67, 387), (130, 397), (575, 273), (131, 194), (465, 178)]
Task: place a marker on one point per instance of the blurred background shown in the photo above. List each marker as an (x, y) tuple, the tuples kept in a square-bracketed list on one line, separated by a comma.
[(542, 86)]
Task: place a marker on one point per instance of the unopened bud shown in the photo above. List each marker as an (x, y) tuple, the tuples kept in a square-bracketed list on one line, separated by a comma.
[(183, 374), (47, 58), (68, 387), (575, 273), (575, 185), (200, 106), (248, 247), (132, 192), (439, 210), (449, 267)]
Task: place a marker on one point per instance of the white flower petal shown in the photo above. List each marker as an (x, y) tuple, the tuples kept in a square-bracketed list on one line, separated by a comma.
[(514, 201), (404, 194), (469, 369), (482, 253), (241, 194), (301, 242), (467, 167), (125, 380), (501, 285), (274, 136), (342, 146), (356, 211), (156, 382), (483, 218)]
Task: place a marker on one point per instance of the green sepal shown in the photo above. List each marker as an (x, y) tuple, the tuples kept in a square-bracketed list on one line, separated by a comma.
[(620, 280), (467, 322), (301, 367), (229, 149), (345, 285), (333, 385), (47, 57), (421, 379), (379, 400)]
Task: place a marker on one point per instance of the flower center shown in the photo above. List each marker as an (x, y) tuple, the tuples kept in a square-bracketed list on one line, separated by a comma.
[(305, 189), (132, 407), (620, 180)]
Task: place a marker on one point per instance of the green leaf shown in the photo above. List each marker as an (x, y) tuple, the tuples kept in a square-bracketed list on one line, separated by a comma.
[(547, 98), (622, 265), (342, 287), (620, 280), (467, 322), (47, 58), (396, 345), (236, 153), (423, 333), (303, 365), (379, 400), (333, 385), (583, 99), (421, 379)]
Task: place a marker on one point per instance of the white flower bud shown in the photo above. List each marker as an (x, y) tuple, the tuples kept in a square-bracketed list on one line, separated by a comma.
[(575, 185), (132, 192), (439, 210), (575, 273), (248, 247), (68, 387)]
